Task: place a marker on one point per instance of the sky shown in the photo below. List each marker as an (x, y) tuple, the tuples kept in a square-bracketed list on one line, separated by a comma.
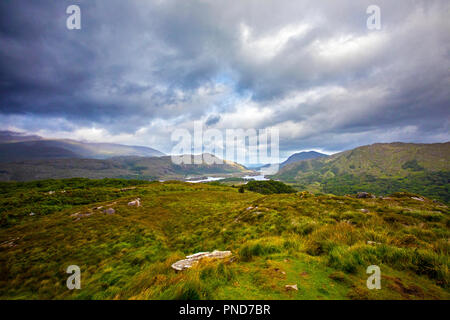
[(138, 70)]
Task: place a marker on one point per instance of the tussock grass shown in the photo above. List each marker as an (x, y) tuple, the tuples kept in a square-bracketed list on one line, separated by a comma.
[(323, 243)]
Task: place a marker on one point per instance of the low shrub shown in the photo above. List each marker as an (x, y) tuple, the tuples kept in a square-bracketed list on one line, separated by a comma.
[(269, 187)]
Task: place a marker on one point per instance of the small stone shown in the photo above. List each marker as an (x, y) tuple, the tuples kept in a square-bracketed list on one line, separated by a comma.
[(363, 195), (32, 213), (279, 270), (291, 287), (364, 210), (127, 189), (136, 203), (110, 211), (79, 215), (9, 243)]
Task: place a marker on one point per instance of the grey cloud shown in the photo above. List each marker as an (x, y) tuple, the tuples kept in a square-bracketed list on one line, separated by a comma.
[(212, 120), (134, 63)]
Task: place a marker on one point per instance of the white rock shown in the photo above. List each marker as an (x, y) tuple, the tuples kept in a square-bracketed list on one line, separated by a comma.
[(136, 202), (110, 211), (291, 287), (195, 258)]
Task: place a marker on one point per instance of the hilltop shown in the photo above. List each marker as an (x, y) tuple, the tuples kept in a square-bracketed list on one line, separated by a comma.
[(378, 168), (305, 155), (321, 243)]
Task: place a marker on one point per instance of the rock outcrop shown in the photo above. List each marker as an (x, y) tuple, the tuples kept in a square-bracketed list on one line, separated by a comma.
[(136, 202), (362, 195), (195, 258)]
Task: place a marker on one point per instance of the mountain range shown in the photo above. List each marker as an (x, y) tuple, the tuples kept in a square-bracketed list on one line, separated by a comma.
[(143, 168), (19, 147), (380, 168)]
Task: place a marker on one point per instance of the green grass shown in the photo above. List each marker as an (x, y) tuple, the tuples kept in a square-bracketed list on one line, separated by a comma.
[(379, 168), (319, 242)]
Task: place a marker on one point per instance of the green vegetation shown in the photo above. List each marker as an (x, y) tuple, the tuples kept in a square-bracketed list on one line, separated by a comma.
[(19, 199), (434, 184), (269, 187), (413, 165), (380, 169), (322, 243), (142, 168)]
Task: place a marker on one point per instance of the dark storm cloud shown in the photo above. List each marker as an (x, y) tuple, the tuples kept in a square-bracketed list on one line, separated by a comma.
[(312, 68), (212, 120)]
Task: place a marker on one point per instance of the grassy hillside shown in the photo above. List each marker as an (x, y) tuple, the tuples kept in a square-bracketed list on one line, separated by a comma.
[(378, 168), (321, 243), (120, 167)]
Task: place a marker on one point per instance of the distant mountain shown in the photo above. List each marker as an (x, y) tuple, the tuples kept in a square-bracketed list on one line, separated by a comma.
[(380, 168), (16, 147), (305, 155), (11, 136), (153, 168)]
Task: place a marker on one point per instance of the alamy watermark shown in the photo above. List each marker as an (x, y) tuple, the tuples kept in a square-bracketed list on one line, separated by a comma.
[(211, 146), (74, 281), (73, 22), (374, 20), (374, 281)]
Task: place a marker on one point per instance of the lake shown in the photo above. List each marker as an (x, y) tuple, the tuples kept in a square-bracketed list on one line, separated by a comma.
[(256, 178), (208, 179)]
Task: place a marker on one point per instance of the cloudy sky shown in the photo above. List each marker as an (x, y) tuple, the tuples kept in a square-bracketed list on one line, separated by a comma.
[(137, 70)]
